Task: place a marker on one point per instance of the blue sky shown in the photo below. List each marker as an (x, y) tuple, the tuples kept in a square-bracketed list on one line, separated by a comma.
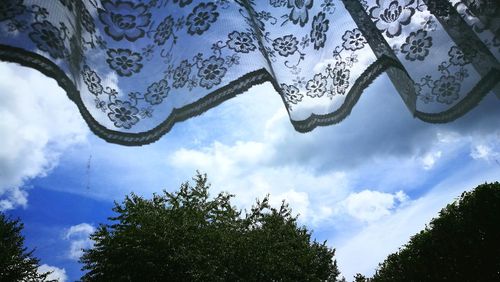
[(365, 185)]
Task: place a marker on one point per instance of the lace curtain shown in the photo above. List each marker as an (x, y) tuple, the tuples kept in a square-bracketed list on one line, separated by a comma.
[(135, 68)]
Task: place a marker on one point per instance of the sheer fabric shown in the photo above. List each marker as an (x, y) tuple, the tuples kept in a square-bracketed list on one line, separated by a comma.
[(135, 68)]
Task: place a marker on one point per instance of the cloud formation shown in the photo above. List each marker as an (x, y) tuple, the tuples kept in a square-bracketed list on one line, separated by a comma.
[(37, 123), (362, 249), (352, 181), (78, 235), (327, 165), (342, 179), (58, 274), (370, 205)]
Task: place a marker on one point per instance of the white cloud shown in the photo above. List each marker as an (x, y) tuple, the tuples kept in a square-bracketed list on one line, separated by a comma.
[(243, 170), (12, 197), (485, 152), (430, 159), (486, 148), (481, 151), (78, 235), (325, 166), (58, 274), (369, 205), (37, 124), (324, 173), (362, 249)]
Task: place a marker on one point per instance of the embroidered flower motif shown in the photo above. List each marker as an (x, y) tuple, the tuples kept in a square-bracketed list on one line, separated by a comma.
[(330, 92), (183, 3), (148, 51), (240, 42), (461, 74), (101, 105), (124, 61), (299, 13), (211, 72), (124, 19), (446, 89), (317, 86), (164, 30), (391, 15), (363, 3), (286, 45), (277, 3), (351, 60), (10, 9), (318, 30), (88, 21), (234, 59), (426, 98), (146, 112), (123, 114), (328, 6), (429, 23), (353, 40), (459, 57), (291, 93), (157, 91), (200, 19), (92, 80), (48, 38), (417, 45), (340, 76), (181, 74), (299, 81)]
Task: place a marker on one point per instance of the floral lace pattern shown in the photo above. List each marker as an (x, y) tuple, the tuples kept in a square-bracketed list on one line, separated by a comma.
[(134, 68)]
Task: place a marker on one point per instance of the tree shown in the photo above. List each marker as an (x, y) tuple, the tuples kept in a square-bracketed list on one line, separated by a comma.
[(461, 244), (188, 236), (16, 263), (360, 278)]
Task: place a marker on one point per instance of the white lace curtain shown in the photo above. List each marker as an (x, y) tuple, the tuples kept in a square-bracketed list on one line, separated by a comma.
[(135, 68)]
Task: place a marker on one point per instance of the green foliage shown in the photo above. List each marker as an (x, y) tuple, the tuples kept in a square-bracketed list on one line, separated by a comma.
[(16, 263), (462, 244), (361, 278), (188, 236)]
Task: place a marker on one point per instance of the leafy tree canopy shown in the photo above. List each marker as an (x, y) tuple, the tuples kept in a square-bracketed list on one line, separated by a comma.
[(188, 236), (461, 244), (16, 263), (361, 278)]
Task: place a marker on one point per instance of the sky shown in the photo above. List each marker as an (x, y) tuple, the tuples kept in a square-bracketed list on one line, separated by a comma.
[(365, 185)]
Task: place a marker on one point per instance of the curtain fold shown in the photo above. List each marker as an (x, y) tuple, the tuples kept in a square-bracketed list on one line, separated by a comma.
[(136, 68)]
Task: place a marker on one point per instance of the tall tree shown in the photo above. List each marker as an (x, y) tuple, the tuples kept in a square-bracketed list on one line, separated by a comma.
[(361, 278), (461, 244), (16, 262), (188, 236)]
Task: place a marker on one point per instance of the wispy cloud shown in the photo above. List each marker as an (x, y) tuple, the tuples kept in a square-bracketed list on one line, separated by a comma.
[(78, 236), (353, 181), (36, 127), (361, 249)]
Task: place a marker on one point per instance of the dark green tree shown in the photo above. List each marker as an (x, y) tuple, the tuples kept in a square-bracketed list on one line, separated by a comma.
[(188, 236), (16, 262), (461, 244), (361, 278)]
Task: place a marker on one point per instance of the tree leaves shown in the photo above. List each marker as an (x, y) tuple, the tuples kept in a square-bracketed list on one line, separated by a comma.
[(461, 244), (16, 262), (187, 235)]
